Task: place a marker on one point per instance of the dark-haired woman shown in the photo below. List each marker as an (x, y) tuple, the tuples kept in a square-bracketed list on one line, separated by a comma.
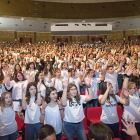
[(17, 68), (100, 131), (52, 111), (31, 100), (44, 83), (16, 85), (74, 115), (108, 101)]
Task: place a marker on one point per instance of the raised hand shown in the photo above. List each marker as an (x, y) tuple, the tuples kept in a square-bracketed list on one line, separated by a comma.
[(87, 81), (59, 103), (20, 108), (44, 104), (65, 84), (130, 70), (39, 83), (125, 93), (130, 127), (109, 86)]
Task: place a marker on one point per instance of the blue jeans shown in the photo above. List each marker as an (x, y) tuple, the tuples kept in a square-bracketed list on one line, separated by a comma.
[(31, 129), (58, 136), (72, 129), (115, 128), (12, 136)]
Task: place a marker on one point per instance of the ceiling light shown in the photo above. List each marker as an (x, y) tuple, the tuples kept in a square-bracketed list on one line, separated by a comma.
[(46, 23), (83, 21), (16, 24), (35, 9), (86, 10), (35, 13), (22, 18), (30, 25), (0, 23), (36, 3), (44, 26)]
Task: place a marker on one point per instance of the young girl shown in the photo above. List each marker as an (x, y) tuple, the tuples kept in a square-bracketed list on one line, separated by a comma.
[(108, 101), (74, 115), (44, 84), (64, 70), (57, 82), (52, 111), (8, 124), (31, 100), (133, 110)]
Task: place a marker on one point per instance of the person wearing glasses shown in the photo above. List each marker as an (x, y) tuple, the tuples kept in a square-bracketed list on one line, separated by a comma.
[(133, 110)]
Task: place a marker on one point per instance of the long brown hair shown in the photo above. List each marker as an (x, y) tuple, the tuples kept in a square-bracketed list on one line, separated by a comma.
[(77, 97), (16, 79), (28, 95), (3, 100), (103, 90), (1, 76)]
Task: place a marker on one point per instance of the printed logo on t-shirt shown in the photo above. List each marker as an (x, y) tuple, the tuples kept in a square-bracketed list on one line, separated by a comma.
[(74, 103), (111, 104)]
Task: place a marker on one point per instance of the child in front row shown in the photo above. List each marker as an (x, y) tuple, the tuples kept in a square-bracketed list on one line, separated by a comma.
[(31, 100), (8, 124), (52, 111)]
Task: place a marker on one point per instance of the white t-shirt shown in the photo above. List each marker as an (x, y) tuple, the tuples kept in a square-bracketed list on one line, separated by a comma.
[(8, 124), (60, 61), (17, 88), (109, 111), (52, 117), (133, 110), (74, 110), (112, 78), (76, 81), (2, 89), (58, 84), (94, 85), (64, 73), (32, 112)]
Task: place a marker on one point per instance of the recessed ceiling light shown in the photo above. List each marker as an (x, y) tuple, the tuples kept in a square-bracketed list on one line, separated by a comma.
[(44, 26), (83, 21), (46, 23), (0, 23), (118, 22), (16, 24), (30, 25), (22, 18), (86, 10)]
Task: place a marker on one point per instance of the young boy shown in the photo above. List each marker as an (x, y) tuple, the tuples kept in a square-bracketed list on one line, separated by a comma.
[(47, 132)]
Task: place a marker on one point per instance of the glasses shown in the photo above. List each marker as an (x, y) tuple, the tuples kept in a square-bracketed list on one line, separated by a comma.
[(73, 89)]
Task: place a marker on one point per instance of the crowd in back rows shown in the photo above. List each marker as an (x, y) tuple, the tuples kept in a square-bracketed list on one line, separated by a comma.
[(55, 77)]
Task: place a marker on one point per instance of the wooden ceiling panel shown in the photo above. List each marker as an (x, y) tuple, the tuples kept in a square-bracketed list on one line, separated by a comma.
[(29, 8)]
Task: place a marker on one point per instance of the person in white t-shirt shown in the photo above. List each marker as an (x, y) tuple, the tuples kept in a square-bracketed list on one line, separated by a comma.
[(60, 60), (112, 75), (133, 110), (52, 111), (74, 114), (63, 68), (8, 124), (108, 101), (31, 101)]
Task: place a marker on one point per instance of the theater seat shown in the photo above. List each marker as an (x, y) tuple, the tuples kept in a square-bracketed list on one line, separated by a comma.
[(119, 92), (83, 92), (129, 138), (117, 139), (85, 124), (21, 127), (93, 114), (98, 92), (120, 112)]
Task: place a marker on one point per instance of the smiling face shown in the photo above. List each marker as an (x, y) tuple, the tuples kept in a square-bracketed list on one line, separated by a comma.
[(110, 70), (41, 76), (73, 91), (53, 95), (32, 90), (111, 91), (19, 77)]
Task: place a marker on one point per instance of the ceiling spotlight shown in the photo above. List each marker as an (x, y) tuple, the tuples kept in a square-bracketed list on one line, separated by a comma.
[(43, 5), (72, 6), (86, 10), (83, 21), (89, 24), (76, 24), (22, 18)]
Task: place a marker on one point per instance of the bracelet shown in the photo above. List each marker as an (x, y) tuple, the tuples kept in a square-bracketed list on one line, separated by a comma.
[(9, 76), (125, 75), (89, 86), (126, 97), (60, 108), (42, 114), (39, 92)]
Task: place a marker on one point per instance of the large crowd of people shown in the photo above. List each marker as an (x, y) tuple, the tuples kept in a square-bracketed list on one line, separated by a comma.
[(53, 83)]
